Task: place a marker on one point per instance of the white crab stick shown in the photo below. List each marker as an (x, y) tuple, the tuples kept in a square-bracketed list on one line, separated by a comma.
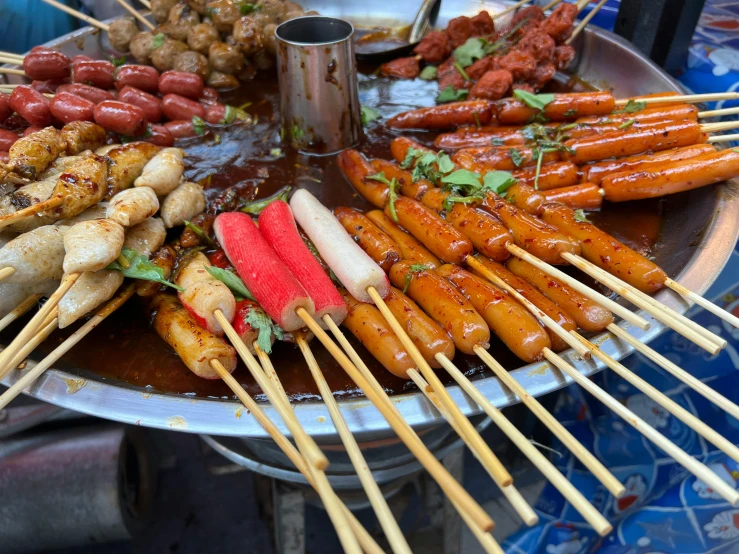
[(354, 268)]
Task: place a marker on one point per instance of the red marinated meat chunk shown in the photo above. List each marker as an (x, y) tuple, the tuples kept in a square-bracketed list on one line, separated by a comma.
[(480, 67), (523, 86), (452, 79), (403, 68), (483, 24), (493, 85), (521, 64), (544, 73), (537, 43), (563, 55), (532, 13), (434, 48), (559, 24), (459, 30)]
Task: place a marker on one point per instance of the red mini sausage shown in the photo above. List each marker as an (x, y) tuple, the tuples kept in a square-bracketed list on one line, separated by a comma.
[(446, 116), (121, 118), (160, 135), (44, 63), (215, 114), (142, 77), (182, 128), (5, 109), (7, 139), (176, 107), (148, 102), (68, 107), (209, 96), (31, 105), (564, 107), (179, 82), (98, 73), (93, 94), (50, 86)]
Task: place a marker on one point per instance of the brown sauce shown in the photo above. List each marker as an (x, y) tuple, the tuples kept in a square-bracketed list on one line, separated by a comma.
[(125, 349)]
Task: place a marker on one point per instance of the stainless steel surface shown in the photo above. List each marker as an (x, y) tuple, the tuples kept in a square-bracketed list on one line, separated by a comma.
[(700, 231), (317, 72)]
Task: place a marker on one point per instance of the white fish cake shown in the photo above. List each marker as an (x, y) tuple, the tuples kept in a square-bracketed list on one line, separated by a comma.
[(132, 206), (182, 204), (92, 245), (163, 172), (88, 292), (97, 211), (146, 237), (36, 256), (29, 194), (12, 294)]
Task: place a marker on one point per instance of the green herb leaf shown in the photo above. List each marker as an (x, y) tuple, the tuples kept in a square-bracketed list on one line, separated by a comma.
[(450, 200), (497, 141), (368, 115), (539, 158), (231, 280), (627, 124), (570, 113), (567, 127), (201, 234), (247, 8), (461, 71), (444, 162), (449, 94), (632, 106), (297, 132), (275, 152), (117, 62), (536, 101), (429, 73), (391, 198), (136, 266), (516, 157), (580, 216), (158, 41), (412, 270), (256, 207), (473, 49), (463, 178), (498, 181), (265, 327), (199, 125), (379, 177), (233, 113)]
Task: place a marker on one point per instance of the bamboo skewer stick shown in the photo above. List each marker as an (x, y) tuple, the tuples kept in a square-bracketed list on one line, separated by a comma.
[(509, 9), (130, 9), (12, 71), (719, 126), (14, 61), (700, 470), (551, 5), (524, 510), (146, 3), (723, 138), (702, 302), (388, 523), (86, 18), (581, 5), (585, 20), (718, 113), (6, 272), (31, 210), (47, 327), (12, 55), (553, 475), (686, 98), (20, 310)]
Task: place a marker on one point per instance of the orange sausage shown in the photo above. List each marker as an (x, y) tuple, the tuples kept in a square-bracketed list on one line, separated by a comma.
[(367, 324), (426, 334), (585, 196), (588, 315), (445, 304), (404, 178), (356, 168), (492, 158), (596, 172), (437, 235), (536, 298), (510, 321), (672, 177), (445, 116), (605, 251), (502, 136), (400, 145), (656, 114), (377, 244), (525, 197), (634, 141), (486, 233), (552, 175), (565, 107), (164, 258), (410, 249), (530, 233)]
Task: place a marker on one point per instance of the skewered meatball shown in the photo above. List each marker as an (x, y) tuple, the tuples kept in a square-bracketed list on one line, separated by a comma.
[(493, 85), (226, 58), (121, 33), (263, 60), (273, 8), (142, 45), (199, 6), (192, 62), (174, 31), (563, 55), (200, 37), (533, 13), (249, 71), (183, 14), (223, 14), (270, 41), (160, 9), (248, 35), (539, 44), (559, 24), (221, 81), (403, 68), (292, 6), (459, 30), (182, 204), (521, 64), (164, 56), (434, 48), (483, 24), (480, 67), (262, 18)]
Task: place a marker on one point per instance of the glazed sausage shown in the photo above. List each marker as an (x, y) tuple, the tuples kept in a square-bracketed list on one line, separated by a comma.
[(672, 177), (356, 169), (605, 251), (5, 109), (367, 324), (525, 197), (181, 129), (408, 187), (446, 116), (530, 233), (410, 249), (634, 141), (176, 107), (215, 114), (400, 145), (437, 235), (93, 94), (31, 105), (44, 63), (119, 117), (564, 107), (594, 173), (67, 107), (535, 297), (492, 158), (142, 77), (510, 321), (660, 113), (426, 334), (97, 73), (585, 196), (445, 304), (7, 139), (179, 82), (588, 315), (502, 136), (149, 103), (375, 242), (195, 346), (164, 258)]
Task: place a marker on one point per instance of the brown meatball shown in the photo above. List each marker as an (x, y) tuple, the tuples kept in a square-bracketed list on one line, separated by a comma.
[(174, 31), (292, 6), (262, 18), (544, 73), (121, 33), (537, 43), (163, 57), (264, 60), (198, 5), (459, 30), (270, 41), (563, 55), (403, 68), (248, 35), (200, 37), (142, 45), (520, 64), (273, 8), (225, 57), (181, 19), (483, 24), (493, 85), (223, 14), (160, 9), (192, 62), (248, 72), (559, 23), (221, 81), (434, 48)]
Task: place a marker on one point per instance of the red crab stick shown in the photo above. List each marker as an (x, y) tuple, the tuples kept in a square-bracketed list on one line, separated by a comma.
[(262, 271), (354, 268), (278, 227)]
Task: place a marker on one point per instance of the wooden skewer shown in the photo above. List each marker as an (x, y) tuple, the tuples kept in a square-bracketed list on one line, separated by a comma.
[(14, 61), (551, 5), (33, 209), (130, 9), (35, 372), (146, 3), (567, 489), (509, 9), (702, 302), (700, 470), (79, 15), (524, 510), (12, 55), (723, 138), (585, 19), (455, 492), (686, 98), (20, 310), (719, 126), (9, 71), (388, 523), (30, 346), (6, 272), (364, 538), (718, 113)]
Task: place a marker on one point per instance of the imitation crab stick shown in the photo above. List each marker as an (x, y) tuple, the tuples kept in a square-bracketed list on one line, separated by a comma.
[(263, 272), (354, 268), (278, 228)]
